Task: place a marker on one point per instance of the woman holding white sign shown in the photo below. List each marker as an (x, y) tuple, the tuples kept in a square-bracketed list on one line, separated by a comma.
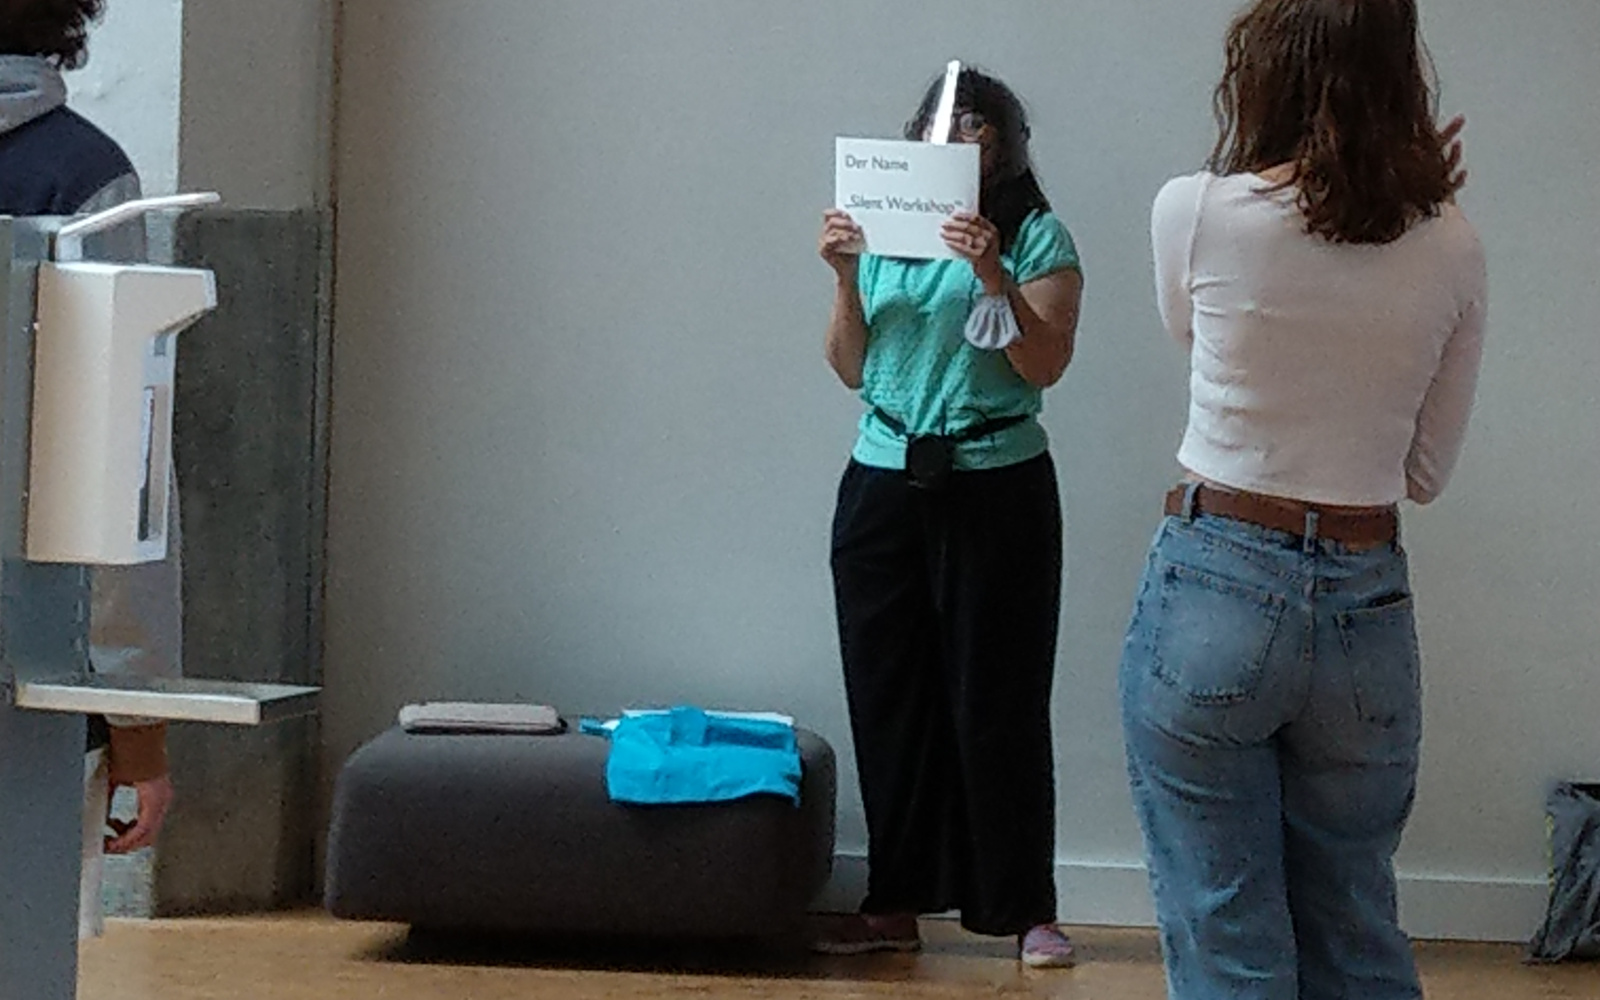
[(947, 547)]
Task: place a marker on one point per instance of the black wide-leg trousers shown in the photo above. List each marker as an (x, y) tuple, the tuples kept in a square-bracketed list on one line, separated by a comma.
[(948, 605)]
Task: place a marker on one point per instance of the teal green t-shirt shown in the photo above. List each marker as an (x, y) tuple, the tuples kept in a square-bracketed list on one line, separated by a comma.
[(919, 367)]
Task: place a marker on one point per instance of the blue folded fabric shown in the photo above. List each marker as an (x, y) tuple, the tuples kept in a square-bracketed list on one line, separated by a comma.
[(687, 755)]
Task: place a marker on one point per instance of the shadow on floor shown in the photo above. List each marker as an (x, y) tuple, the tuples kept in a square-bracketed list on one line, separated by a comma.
[(944, 945), (766, 958)]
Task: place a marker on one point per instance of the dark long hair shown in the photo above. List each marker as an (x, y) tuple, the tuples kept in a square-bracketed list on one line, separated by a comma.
[(58, 30), (1010, 192), (1341, 91)]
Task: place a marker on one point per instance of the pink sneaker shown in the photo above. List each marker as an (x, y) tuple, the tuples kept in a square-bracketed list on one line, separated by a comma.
[(865, 934), (1046, 947)]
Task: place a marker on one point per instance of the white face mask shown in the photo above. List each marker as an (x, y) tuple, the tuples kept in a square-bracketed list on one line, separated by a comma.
[(992, 326)]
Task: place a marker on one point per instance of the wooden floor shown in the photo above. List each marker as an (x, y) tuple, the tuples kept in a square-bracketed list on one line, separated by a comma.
[(312, 958)]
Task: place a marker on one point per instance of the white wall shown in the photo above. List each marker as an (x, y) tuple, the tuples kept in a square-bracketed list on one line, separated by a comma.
[(130, 86), (255, 120), (1508, 575), (585, 446)]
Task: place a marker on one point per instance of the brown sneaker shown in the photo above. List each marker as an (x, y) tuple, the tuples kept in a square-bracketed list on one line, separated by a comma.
[(866, 934)]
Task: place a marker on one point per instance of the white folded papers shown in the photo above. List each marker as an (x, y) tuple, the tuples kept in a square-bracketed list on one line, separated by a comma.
[(773, 717)]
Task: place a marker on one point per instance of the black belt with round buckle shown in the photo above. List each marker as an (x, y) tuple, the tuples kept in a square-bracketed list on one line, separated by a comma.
[(931, 458)]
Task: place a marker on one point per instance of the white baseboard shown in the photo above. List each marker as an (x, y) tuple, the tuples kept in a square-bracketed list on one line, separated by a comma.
[(1442, 908), (1118, 895)]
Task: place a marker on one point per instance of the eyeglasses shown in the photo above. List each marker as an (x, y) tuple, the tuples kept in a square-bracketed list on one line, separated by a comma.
[(968, 124)]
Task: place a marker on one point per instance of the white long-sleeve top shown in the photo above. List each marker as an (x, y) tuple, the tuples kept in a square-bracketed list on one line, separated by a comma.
[(1339, 374)]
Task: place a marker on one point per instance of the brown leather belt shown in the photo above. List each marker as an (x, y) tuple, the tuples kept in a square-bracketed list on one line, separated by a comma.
[(1364, 530)]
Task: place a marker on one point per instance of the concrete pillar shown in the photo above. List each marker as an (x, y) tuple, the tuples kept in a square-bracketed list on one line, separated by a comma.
[(235, 96)]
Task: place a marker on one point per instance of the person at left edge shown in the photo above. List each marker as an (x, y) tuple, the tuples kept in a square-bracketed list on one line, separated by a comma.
[(53, 162)]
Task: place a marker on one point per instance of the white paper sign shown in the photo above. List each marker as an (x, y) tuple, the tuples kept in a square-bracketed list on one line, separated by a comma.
[(901, 193)]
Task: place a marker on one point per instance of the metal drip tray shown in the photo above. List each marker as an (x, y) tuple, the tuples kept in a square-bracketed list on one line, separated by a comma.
[(233, 703)]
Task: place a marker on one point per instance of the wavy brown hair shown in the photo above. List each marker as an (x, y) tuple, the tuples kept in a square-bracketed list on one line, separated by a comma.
[(1340, 91), (57, 30)]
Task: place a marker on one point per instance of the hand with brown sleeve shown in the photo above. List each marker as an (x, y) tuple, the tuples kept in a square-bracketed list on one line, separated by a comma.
[(138, 760)]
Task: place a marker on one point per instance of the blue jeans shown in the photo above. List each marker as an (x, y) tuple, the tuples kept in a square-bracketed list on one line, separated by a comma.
[(1271, 707)]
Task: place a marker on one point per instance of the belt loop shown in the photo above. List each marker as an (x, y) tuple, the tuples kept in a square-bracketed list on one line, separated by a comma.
[(1191, 494), (1309, 539)]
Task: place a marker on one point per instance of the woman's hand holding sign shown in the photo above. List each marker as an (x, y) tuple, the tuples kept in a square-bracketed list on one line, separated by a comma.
[(977, 241), (842, 242)]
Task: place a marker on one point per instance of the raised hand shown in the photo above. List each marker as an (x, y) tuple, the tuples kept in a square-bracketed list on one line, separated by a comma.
[(977, 241), (842, 242)]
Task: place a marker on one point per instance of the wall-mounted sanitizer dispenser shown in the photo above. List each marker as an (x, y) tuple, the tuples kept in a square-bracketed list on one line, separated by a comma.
[(105, 348), (104, 354)]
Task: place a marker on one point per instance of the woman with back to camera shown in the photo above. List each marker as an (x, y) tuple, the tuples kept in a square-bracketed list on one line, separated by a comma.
[(947, 566), (1332, 298)]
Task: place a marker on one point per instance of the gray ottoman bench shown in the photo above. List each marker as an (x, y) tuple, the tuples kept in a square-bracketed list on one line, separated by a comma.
[(516, 833)]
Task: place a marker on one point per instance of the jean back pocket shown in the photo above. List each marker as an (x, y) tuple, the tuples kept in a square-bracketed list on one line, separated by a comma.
[(1380, 648), (1211, 635)]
